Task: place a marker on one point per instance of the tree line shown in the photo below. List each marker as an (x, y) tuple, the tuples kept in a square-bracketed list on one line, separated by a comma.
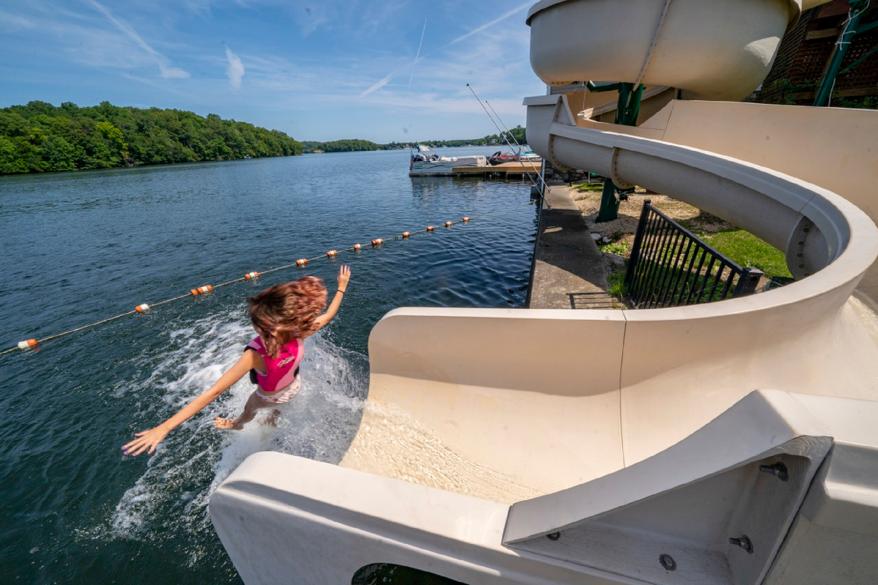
[(41, 137), (351, 145), (348, 145)]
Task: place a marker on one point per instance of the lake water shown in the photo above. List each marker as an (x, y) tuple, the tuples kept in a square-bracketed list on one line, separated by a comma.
[(79, 247)]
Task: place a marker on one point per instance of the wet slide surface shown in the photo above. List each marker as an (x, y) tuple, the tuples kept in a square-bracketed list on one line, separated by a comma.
[(77, 247)]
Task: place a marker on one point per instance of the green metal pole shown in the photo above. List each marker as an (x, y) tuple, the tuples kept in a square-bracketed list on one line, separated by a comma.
[(634, 106), (824, 91), (627, 111), (622, 103), (609, 203)]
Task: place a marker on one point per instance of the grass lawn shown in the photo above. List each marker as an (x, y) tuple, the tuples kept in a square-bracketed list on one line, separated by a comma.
[(616, 284), (749, 251), (587, 187)]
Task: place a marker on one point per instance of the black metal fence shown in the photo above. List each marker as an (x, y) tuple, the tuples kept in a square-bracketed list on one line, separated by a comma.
[(670, 266)]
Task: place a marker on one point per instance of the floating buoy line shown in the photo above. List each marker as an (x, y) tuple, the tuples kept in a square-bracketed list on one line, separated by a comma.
[(207, 289)]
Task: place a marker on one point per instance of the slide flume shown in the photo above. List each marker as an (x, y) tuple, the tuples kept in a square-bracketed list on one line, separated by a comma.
[(724, 443)]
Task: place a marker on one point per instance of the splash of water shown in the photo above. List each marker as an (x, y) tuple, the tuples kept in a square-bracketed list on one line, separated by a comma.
[(171, 495)]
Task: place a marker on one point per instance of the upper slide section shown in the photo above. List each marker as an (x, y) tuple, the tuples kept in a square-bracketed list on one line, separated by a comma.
[(710, 49)]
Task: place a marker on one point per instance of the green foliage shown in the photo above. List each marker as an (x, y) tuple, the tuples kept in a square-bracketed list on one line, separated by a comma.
[(616, 284), (518, 133), (616, 278), (749, 251), (350, 145), (620, 248), (589, 187), (40, 137), (866, 102)]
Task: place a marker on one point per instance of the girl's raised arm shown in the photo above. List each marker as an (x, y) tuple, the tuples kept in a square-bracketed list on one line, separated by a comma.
[(147, 441), (344, 276)]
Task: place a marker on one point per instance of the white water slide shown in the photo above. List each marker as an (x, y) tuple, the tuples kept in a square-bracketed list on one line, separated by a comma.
[(734, 442)]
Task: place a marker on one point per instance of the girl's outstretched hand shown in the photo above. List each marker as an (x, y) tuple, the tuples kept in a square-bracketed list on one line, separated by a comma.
[(146, 441), (344, 276)]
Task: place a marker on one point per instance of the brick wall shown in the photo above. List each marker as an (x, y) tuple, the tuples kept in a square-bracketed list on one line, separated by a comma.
[(805, 52)]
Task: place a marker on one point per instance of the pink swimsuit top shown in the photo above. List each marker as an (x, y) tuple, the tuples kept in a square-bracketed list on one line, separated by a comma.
[(280, 371)]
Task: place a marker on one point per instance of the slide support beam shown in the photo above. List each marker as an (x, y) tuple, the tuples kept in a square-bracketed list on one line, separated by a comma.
[(627, 111)]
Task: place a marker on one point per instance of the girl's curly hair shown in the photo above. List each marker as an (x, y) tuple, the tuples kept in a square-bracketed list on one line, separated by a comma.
[(287, 311)]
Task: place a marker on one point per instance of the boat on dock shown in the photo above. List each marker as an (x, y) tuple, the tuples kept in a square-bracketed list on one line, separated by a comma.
[(426, 163), (527, 156)]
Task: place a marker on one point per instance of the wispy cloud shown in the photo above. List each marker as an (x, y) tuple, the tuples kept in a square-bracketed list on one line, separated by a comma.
[(377, 85), (441, 87), (13, 22), (491, 23), (165, 69), (234, 69), (312, 17), (470, 34), (368, 58)]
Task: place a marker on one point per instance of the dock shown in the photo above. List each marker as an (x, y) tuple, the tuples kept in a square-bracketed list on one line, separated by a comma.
[(504, 170), (510, 169)]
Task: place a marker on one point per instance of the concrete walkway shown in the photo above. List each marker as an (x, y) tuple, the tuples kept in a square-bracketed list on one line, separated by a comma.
[(569, 270)]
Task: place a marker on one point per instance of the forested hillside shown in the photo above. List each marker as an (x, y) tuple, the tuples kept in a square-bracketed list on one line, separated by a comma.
[(41, 137), (349, 145), (518, 133)]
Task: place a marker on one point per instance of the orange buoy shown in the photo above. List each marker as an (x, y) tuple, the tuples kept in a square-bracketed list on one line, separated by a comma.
[(144, 308), (465, 219), (430, 228), (405, 235), (202, 290), (332, 253), (28, 344), (251, 276), (302, 262), (357, 247), (449, 223), (377, 242)]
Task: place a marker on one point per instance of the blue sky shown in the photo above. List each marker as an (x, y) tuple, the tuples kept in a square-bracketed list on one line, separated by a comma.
[(378, 69)]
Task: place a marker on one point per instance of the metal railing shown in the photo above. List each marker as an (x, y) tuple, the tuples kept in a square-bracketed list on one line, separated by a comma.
[(670, 266)]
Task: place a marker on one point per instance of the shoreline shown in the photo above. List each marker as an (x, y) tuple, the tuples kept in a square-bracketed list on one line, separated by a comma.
[(144, 166)]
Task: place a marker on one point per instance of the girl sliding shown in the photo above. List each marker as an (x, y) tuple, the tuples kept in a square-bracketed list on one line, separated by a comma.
[(282, 316)]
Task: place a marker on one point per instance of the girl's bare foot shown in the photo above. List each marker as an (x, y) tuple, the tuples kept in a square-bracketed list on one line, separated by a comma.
[(272, 418), (227, 424)]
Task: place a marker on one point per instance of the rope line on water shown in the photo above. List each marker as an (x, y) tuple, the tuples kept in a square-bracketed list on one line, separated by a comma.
[(206, 289)]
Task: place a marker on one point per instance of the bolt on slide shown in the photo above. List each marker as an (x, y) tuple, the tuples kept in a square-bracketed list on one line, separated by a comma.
[(724, 443)]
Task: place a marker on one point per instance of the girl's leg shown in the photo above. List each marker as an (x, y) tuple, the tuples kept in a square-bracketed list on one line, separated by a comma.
[(254, 403)]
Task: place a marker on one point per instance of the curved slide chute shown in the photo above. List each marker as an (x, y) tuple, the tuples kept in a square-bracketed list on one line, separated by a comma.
[(727, 443), (709, 49)]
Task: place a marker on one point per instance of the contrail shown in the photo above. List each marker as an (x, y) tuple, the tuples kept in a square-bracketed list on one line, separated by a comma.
[(382, 82), (377, 85), (418, 54), (167, 71), (491, 23)]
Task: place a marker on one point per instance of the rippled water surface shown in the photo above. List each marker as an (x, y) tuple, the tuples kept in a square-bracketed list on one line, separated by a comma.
[(78, 247)]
